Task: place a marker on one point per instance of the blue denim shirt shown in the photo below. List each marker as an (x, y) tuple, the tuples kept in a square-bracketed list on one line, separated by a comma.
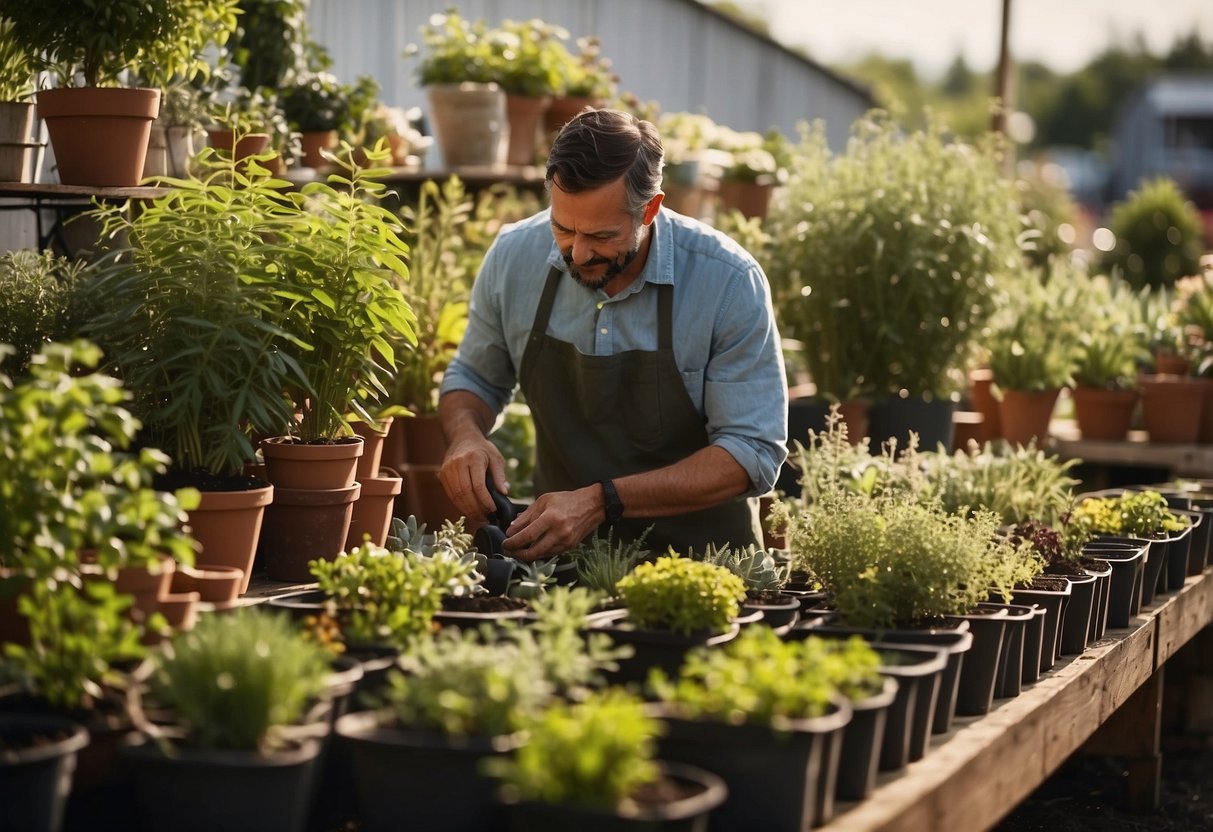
[(726, 343)]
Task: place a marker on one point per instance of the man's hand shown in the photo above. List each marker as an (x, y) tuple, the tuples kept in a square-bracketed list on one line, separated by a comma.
[(462, 476), (555, 523)]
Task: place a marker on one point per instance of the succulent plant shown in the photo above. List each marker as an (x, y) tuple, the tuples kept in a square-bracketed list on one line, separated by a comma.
[(603, 561), (531, 580), (763, 570)]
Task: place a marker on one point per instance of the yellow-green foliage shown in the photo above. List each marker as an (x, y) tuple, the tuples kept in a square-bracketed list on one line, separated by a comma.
[(674, 593)]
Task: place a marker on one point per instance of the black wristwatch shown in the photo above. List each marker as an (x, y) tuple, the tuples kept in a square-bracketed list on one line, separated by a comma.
[(614, 508)]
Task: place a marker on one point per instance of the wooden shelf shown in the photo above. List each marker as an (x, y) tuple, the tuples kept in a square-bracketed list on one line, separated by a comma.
[(1134, 451)]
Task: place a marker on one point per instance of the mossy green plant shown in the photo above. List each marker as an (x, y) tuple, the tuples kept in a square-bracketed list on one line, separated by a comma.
[(684, 596)]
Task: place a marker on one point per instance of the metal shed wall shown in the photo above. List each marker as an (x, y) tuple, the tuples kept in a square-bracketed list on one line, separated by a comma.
[(675, 52)]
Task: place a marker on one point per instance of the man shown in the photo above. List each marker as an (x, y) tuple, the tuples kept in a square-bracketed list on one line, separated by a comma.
[(645, 345)]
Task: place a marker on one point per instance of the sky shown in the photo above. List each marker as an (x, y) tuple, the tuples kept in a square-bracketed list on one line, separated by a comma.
[(1063, 34)]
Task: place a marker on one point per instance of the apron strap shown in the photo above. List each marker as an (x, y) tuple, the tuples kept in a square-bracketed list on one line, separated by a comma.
[(665, 316), (544, 311)]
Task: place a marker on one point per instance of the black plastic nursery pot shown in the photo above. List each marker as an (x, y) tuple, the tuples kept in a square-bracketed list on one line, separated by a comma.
[(1033, 643), (780, 611), (896, 417), (1054, 602), (1198, 552), (703, 790), (407, 779), (657, 649), (37, 759), (1009, 679), (1102, 570), (918, 669), (772, 776), (1076, 625), (862, 740), (1127, 558), (979, 676), (955, 641), (1179, 549), (209, 789)]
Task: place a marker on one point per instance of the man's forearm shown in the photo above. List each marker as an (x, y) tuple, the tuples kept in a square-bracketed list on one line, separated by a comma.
[(706, 478), (464, 415)]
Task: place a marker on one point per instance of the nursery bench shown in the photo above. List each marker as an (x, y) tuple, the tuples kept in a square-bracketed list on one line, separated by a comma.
[(1107, 701)]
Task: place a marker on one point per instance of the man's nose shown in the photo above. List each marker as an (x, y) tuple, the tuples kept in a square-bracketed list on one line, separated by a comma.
[(582, 252)]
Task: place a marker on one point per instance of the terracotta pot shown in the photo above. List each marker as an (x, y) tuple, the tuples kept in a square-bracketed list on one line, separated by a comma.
[(425, 498), (561, 110), (1025, 415), (1170, 364), (228, 525), (214, 584), (1206, 416), (303, 525), (99, 134), (752, 199), (180, 610), (374, 436), (311, 142), (297, 465), (525, 115), (981, 396), (854, 414), (250, 143), (147, 585), (424, 441), (1171, 407), (1104, 414), (374, 508)]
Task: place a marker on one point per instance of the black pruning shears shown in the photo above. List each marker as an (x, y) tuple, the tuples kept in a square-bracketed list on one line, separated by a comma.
[(489, 540)]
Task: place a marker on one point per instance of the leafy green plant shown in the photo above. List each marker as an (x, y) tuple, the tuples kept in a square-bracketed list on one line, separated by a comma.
[(1158, 236), (593, 753), (191, 314), (1052, 217), (1193, 308), (892, 560), (79, 636), (1031, 341), (757, 678), (378, 597), (1132, 514), (682, 595), (1018, 483), (16, 66), (342, 257), (589, 74), (466, 682), (1112, 343), (851, 665), (529, 57), (438, 289), (41, 303), (67, 480), (885, 258), (454, 50), (235, 679), (603, 561), (101, 38), (314, 101), (573, 658)]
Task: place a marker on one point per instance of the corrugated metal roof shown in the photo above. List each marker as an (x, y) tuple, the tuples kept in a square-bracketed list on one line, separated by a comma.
[(1181, 95)]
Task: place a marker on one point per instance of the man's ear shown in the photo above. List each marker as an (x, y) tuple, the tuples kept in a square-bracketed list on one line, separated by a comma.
[(651, 208)]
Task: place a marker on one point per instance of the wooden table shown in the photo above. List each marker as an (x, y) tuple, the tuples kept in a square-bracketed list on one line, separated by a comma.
[(66, 201), (1134, 451), (1108, 700)]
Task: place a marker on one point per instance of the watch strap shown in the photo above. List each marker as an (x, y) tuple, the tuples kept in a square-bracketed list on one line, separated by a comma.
[(612, 503)]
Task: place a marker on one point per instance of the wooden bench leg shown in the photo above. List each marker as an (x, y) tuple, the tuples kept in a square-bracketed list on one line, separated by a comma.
[(1134, 732)]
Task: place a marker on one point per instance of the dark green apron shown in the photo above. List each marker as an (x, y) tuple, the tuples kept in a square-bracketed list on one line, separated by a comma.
[(602, 417)]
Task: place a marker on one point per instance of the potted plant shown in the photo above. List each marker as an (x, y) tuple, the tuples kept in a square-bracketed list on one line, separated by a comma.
[(464, 698), (1158, 236), (673, 604), (588, 80), (225, 697), (890, 275), (1030, 346), (757, 162), (529, 56), (1110, 350), (187, 321), (183, 111), (458, 68), (755, 711), (591, 761), (42, 304), (320, 107), (765, 573), (71, 41), (17, 138), (602, 562)]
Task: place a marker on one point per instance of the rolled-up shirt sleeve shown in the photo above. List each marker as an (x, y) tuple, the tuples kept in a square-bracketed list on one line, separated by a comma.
[(745, 387), (482, 364)]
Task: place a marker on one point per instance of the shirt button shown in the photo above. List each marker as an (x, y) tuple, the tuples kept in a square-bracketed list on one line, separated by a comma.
[(603, 330), (601, 305)]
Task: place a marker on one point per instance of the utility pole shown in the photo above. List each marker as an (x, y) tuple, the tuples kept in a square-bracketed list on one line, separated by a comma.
[(1002, 81)]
